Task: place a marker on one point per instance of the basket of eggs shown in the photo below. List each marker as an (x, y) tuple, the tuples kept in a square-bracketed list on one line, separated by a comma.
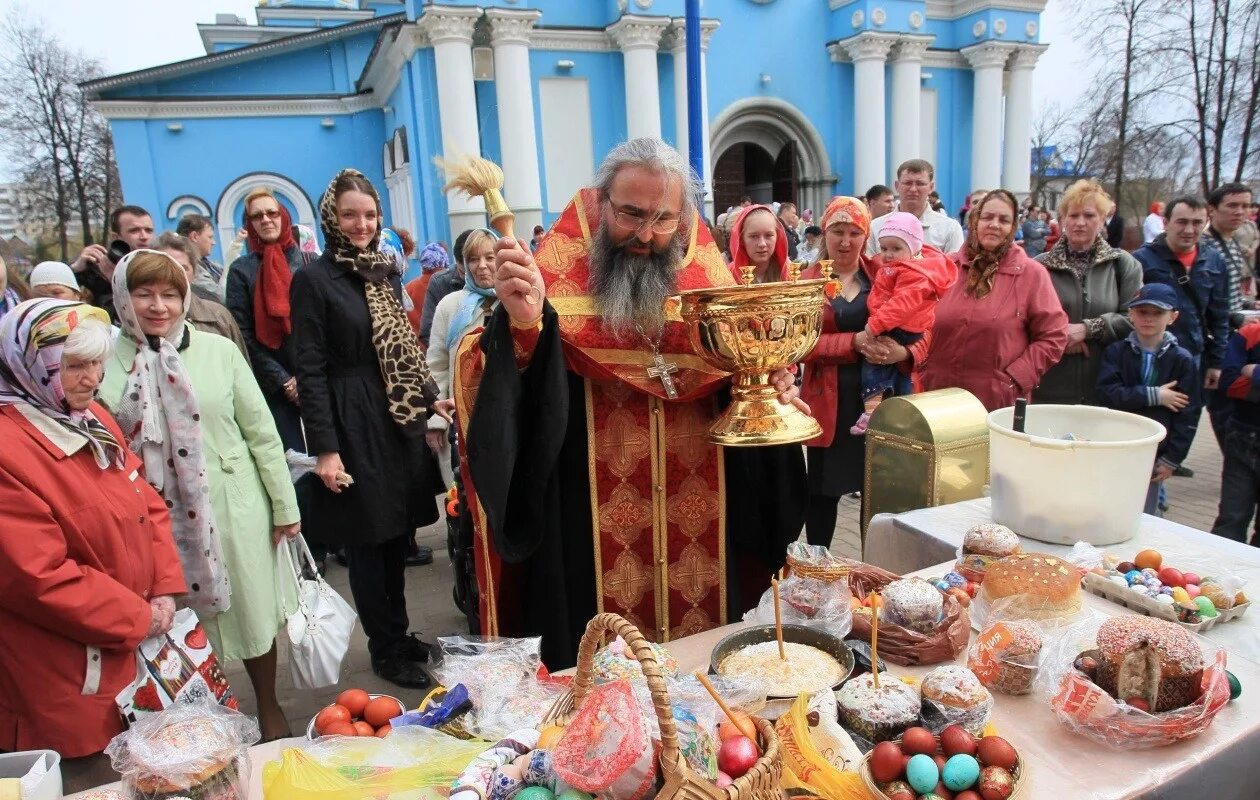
[(955, 764), (678, 780)]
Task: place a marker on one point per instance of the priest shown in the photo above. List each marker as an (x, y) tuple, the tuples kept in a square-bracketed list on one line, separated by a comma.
[(592, 486)]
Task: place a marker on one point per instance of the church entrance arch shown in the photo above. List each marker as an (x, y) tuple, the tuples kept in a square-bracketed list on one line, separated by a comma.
[(766, 149), (228, 209)]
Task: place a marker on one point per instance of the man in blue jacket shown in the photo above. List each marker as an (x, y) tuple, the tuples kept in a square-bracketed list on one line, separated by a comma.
[(1199, 277), (1147, 373), (1240, 475)]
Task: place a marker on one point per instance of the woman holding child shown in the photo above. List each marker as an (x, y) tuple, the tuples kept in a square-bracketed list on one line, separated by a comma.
[(833, 371), (1001, 325)]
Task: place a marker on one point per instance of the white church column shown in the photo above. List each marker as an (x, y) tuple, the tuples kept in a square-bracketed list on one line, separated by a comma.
[(907, 89), (987, 61), (514, 93), (638, 38), (678, 49), (869, 52), (450, 31), (1017, 141)]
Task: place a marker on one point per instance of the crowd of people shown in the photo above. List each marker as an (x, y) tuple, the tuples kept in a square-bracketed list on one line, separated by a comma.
[(151, 400)]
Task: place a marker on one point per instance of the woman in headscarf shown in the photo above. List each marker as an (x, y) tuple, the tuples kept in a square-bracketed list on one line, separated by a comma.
[(832, 384), (1001, 326), (13, 289), (759, 241), (433, 259), (366, 397), (190, 408), (87, 565), (457, 315)]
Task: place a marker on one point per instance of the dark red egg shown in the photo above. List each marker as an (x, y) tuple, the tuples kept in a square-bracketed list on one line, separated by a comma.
[(918, 740), (956, 739), (887, 762), (994, 751)]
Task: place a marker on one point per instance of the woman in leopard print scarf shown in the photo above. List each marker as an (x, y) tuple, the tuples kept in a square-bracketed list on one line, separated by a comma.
[(353, 245)]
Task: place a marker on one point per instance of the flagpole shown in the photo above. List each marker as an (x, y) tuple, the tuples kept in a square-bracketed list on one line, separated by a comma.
[(695, 114)]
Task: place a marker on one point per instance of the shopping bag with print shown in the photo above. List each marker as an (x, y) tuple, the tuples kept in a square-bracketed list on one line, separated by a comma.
[(319, 631), (177, 666)]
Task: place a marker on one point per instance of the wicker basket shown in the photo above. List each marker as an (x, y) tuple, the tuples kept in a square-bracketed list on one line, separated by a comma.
[(1020, 773), (762, 782)]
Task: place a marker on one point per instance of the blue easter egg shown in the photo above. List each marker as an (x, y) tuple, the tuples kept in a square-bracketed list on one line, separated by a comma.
[(955, 580), (942, 585), (1133, 576), (922, 774), (961, 772)]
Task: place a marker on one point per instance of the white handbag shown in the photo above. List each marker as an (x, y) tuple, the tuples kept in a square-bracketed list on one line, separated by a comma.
[(319, 631)]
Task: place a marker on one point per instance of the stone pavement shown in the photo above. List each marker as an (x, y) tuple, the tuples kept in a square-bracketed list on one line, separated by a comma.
[(433, 613)]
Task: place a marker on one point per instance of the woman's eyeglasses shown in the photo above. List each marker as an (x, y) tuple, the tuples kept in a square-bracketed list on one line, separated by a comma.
[(271, 214)]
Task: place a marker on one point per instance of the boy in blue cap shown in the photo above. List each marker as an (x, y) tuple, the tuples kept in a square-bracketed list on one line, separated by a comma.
[(1148, 373)]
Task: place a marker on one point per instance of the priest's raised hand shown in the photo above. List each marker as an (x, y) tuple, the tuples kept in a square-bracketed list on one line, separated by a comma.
[(517, 281)]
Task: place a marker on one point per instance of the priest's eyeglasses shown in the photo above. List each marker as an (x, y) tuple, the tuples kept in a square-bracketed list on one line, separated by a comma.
[(633, 221)]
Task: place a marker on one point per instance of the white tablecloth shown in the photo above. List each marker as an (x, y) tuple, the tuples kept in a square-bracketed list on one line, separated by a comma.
[(914, 540)]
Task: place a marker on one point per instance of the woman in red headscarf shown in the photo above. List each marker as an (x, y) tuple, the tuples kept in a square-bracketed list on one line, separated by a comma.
[(833, 371), (758, 241)]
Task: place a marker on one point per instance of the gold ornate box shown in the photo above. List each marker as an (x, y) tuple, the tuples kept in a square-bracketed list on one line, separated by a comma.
[(925, 450)]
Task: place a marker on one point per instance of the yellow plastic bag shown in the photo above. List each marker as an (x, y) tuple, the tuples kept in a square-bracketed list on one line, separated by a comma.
[(409, 764), (806, 771)]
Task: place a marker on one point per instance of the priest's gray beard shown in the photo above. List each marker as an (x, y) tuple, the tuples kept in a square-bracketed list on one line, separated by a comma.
[(631, 289)]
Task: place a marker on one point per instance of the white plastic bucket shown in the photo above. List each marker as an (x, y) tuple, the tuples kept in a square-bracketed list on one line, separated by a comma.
[(1090, 489)]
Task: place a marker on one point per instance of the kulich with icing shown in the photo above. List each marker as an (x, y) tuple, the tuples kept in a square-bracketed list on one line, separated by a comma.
[(1148, 658), (913, 603), (960, 696), (1040, 586), (881, 714), (991, 539)]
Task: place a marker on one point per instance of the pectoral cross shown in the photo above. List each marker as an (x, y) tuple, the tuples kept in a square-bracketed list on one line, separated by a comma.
[(662, 369)]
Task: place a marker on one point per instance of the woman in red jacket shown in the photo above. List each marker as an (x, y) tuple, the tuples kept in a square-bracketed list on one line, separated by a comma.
[(832, 385), (1001, 326), (87, 563)]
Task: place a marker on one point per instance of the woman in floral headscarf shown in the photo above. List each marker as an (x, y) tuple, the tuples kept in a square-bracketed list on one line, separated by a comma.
[(366, 393), (1001, 325), (833, 371), (87, 565), (189, 406)]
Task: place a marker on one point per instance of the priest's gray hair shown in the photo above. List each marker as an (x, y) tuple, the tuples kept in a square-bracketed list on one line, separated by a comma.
[(91, 340), (659, 158)]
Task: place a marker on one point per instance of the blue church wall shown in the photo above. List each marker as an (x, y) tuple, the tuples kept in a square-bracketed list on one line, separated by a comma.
[(669, 110), (488, 120), (414, 106)]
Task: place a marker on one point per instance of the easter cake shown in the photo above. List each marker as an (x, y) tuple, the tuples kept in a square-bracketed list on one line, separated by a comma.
[(960, 697), (982, 545), (878, 714), (1034, 586), (1149, 659), (913, 603)]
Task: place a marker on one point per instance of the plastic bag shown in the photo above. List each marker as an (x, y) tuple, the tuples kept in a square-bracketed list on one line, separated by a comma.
[(614, 662), (819, 757), (300, 464), (199, 749), (606, 749), (474, 781), (954, 695), (906, 646), (415, 760), (1006, 656), (810, 602), (506, 681)]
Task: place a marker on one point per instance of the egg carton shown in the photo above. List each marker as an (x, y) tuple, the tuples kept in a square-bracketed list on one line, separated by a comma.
[(1101, 586)]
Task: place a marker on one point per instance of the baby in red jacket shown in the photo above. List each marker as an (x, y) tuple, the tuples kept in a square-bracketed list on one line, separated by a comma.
[(909, 279)]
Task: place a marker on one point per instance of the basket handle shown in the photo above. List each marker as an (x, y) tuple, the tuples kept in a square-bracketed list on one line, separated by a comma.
[(583, 680)]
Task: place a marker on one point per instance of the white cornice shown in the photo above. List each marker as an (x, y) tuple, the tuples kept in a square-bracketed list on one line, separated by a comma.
[(449, 23), (633, 32), (212, 35), (585, 40), (330, 14), (953, 9), (868, 44), (262, 107), (676, 36), (945, 59), (511, 25), (387, 67)]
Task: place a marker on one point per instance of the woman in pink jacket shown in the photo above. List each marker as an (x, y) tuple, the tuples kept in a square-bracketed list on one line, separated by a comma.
[(1001, 326)]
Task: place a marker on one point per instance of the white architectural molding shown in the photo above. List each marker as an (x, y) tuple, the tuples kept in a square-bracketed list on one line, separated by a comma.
[(944, 59), (338, 16), (243, 35), (581, 40), (953, 9), (1026, 55), (866, 45), (241, 107), (514, 94), (453, 24), (235, 192), (174, 208), (907, 89), (639, 37), (987, 54)]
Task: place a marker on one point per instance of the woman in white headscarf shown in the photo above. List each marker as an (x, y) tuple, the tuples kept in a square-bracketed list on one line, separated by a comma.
[(189, 406)]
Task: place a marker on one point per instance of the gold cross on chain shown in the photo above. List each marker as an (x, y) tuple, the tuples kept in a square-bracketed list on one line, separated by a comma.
[(664, 370)]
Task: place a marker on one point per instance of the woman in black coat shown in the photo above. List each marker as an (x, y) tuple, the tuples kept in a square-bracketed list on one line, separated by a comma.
[(365, 394)]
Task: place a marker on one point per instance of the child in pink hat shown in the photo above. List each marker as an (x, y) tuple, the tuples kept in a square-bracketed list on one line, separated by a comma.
[(909, 280)]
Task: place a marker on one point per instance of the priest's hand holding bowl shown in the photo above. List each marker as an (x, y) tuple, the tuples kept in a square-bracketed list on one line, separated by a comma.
[(789, 394), (517, 281)]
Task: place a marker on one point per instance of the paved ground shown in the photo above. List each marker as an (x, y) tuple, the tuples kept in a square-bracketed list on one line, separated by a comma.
[(1193, 502)]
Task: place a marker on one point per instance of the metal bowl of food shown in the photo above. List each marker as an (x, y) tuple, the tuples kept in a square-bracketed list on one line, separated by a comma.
[(816, 659)]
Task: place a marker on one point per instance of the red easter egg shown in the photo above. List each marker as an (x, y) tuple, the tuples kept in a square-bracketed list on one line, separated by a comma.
[(918, 740), (1171, 576), (887, 762)]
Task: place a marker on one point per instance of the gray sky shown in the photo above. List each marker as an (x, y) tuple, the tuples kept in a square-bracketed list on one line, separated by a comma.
[(132, 34)]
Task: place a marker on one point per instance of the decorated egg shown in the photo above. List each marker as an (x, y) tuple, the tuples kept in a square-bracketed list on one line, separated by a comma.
[(1139, 703), (1189, 613), (961, 772), (539, 770), (996, 783), (960, 595), (1132, 576), (1152, 583), (1149, 572), (942, 585), (922, 774), (1180, 594), (1125, 566), (1148, 559), (577, 794), (899, 790), (1172, 576), (1206, 607), (969, 794), (918, 740), (535, 793), (1219, 597), (1164, 599), (886, 762), (1193, 590), (1239, 598), (723, 780), (1118, 580), (1235, 688), (507, 782), (955, 580), (1191, 577), (972, 588)]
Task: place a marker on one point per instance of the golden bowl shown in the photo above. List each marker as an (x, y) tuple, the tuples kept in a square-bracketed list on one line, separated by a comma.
[(750, 331)]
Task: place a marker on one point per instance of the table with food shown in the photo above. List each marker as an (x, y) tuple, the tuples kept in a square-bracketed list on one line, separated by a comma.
[(997, 677)]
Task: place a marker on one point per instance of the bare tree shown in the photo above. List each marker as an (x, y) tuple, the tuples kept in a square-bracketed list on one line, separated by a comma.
[(51, 133)]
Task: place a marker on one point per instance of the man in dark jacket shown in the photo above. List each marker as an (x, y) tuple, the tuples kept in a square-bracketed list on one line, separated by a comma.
[(94, 267), (1147, 373), (448, 281), (1240, 475), (1115, 229)]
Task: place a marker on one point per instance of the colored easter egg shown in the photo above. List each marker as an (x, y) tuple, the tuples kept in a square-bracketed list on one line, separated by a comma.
[(961, 772), (922, 774), (1205, 607)]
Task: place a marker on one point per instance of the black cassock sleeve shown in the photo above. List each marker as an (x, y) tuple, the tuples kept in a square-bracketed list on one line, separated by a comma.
[(516, 434)]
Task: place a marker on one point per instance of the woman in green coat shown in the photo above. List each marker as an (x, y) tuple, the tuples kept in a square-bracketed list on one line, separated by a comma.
[(190, 408)]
